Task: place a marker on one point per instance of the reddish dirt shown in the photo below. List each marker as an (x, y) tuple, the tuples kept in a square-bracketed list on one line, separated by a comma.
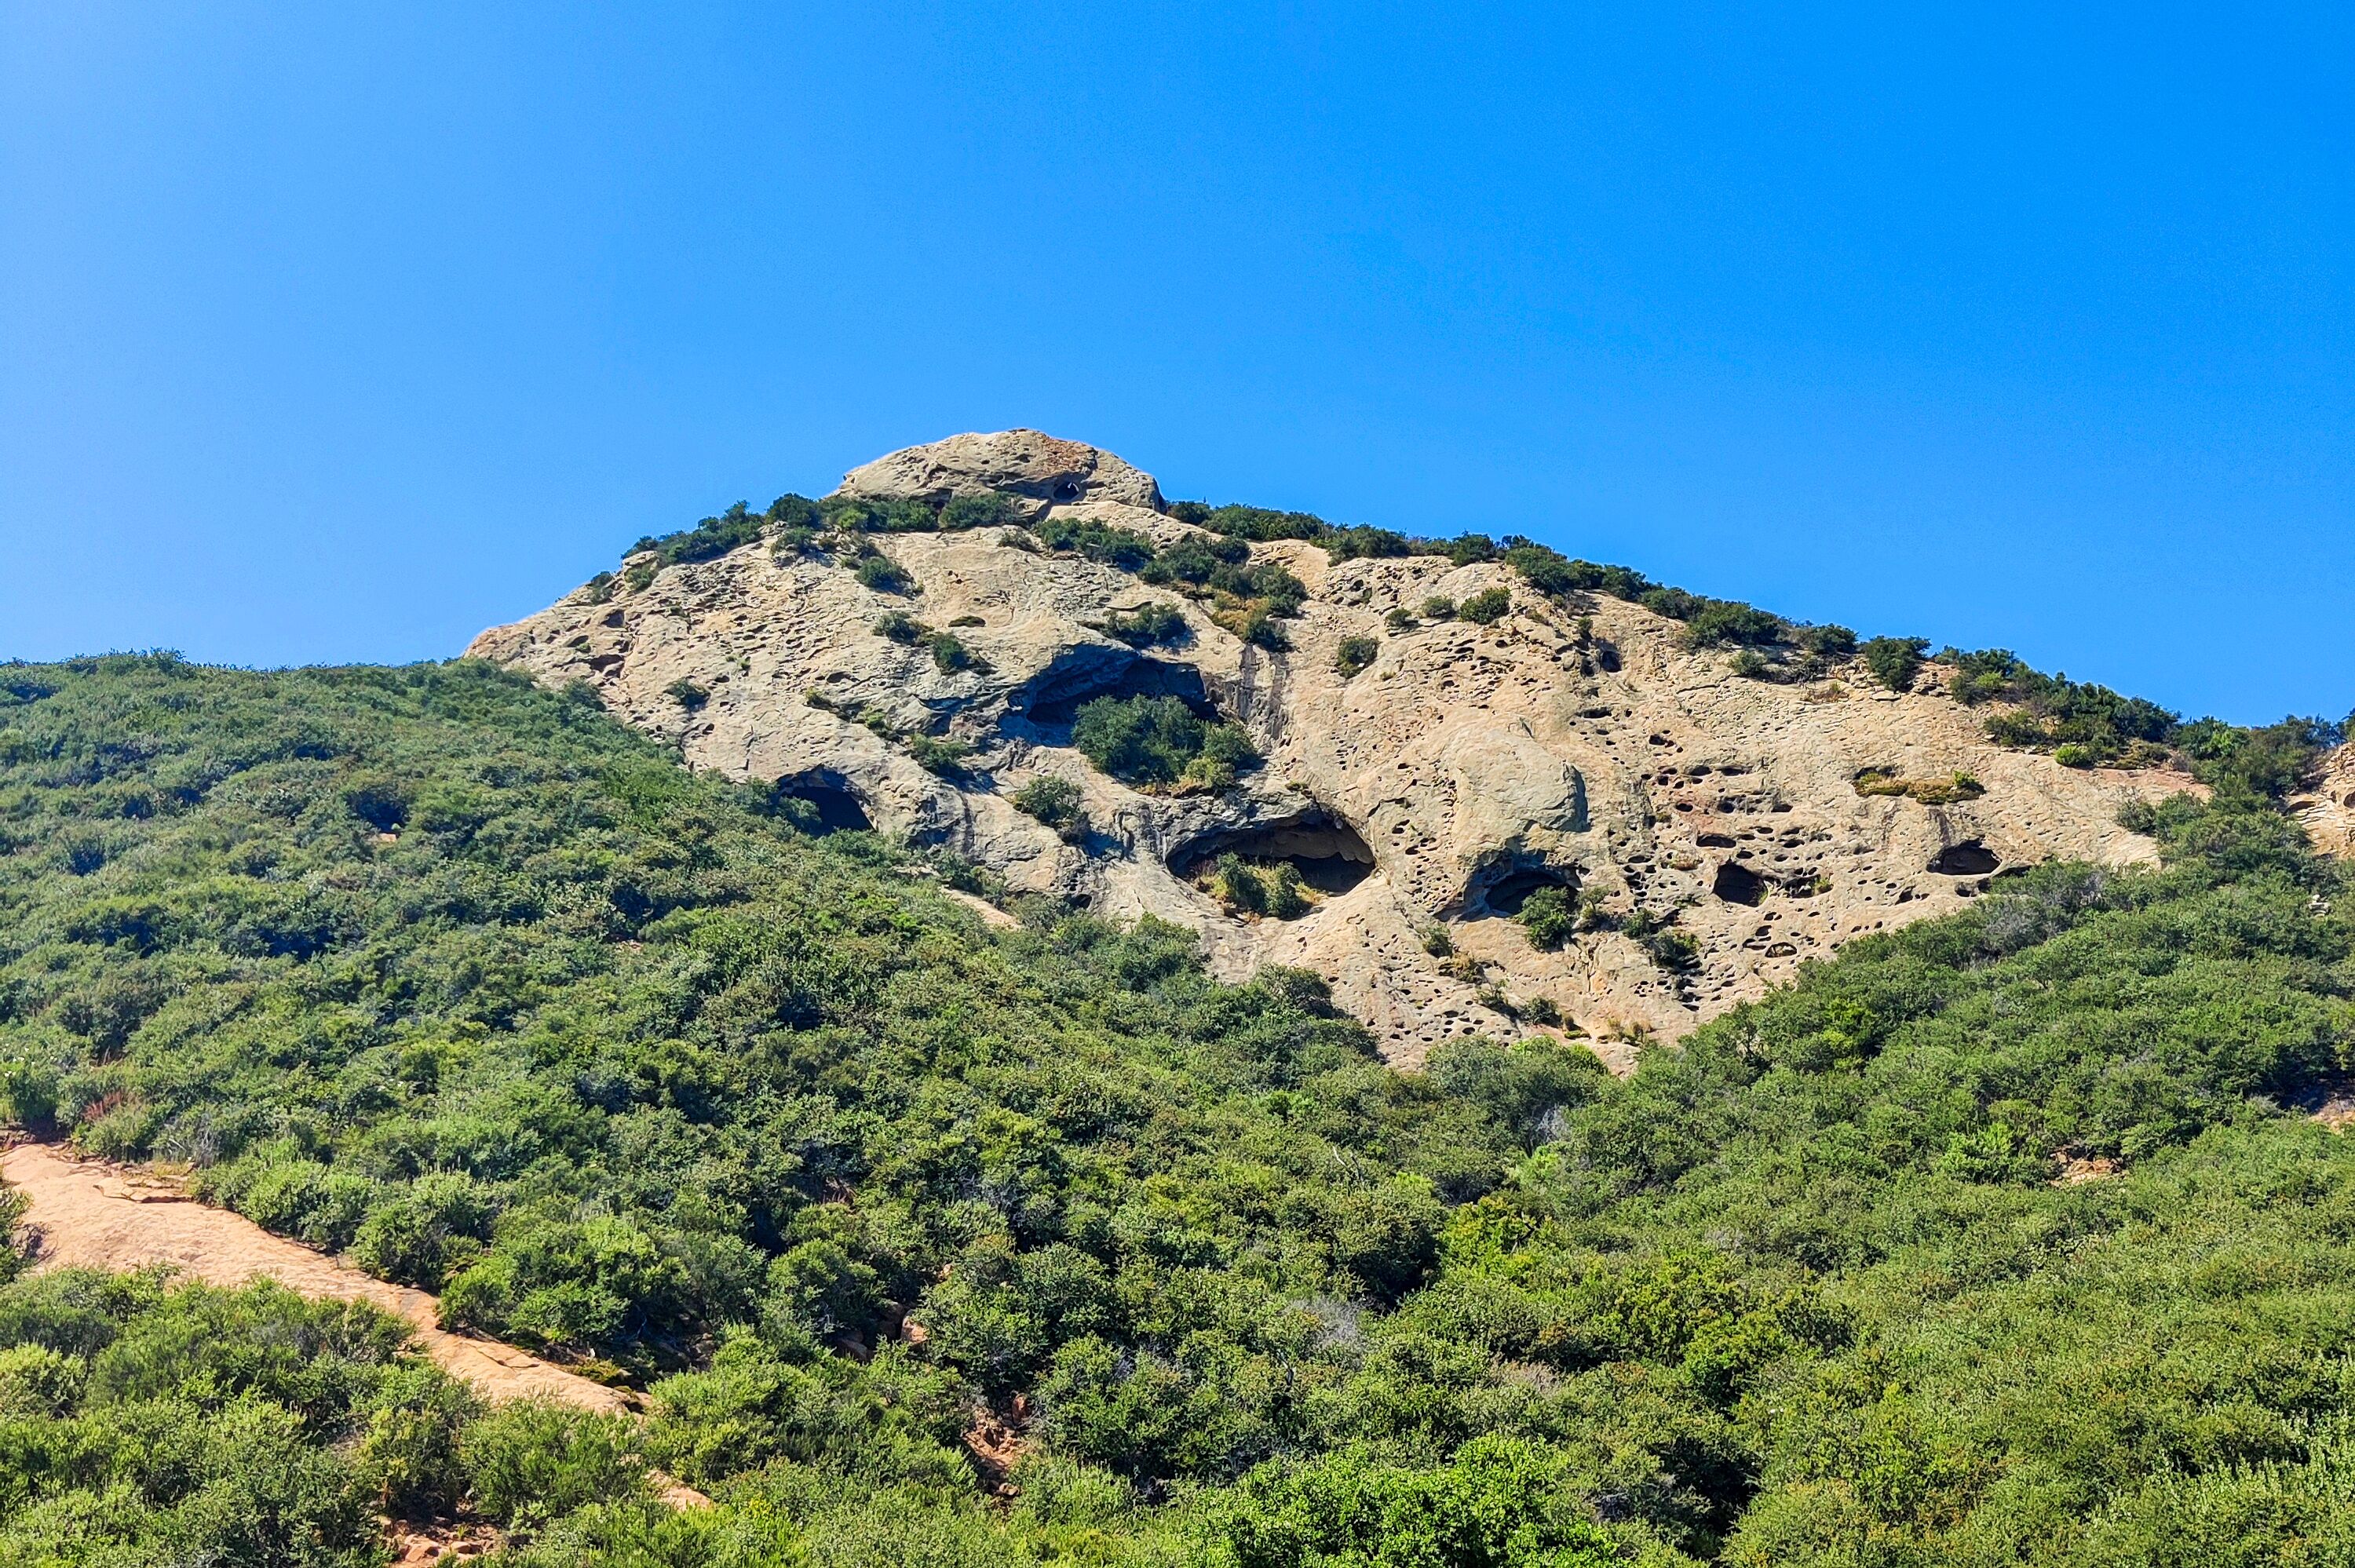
[(87, 1213)]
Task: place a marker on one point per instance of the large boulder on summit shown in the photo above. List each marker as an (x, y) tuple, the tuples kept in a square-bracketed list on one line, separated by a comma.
[(1424, 796), (1026, 464)]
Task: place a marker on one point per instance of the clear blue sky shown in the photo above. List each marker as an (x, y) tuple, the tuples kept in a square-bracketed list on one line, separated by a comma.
[(336, 332)]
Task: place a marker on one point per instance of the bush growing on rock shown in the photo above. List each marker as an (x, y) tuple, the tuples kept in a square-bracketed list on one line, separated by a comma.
[(1825, 642), (950, 654), (1150, 624), (1056, 802), (1122, 547), (1356, 655), (883, 574), (1486, 608), (936, 755), (1273, 891), (965, 511), (1159, 741), (1548, 918), (1895, 660), (1196, 560), (1713, 623)]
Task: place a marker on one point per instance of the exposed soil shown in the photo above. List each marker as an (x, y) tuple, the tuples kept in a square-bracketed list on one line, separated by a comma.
[(86, 1213)]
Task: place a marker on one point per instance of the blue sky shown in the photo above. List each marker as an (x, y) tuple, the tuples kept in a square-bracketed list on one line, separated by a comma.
[(339, 333)]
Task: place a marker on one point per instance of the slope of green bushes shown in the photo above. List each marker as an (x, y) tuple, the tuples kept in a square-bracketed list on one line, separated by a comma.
[(2000, 1239)]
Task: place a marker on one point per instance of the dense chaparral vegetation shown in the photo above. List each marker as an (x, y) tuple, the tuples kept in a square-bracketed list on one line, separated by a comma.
[(2003, 1238)]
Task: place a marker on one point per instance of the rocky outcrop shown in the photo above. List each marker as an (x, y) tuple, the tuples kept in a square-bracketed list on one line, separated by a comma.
[(1576, 744)]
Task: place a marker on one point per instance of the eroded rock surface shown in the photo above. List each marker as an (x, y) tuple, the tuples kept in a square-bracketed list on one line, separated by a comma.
[(1432, 792)]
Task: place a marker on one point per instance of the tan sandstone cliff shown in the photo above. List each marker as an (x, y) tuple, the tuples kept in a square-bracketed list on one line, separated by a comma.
[(1429, 792)]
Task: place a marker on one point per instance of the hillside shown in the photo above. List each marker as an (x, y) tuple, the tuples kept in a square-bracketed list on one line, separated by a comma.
[(2005, 1236), (1714, 800)]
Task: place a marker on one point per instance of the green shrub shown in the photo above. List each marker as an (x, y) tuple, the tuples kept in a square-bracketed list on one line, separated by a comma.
[(1548, 918), (687, 693), (1158, 741), (1151, 623), (1825, 642), (599, 590), (1366, 543), (866, 515), (710, 539), (1487, 606), (1259, 627), (900, 626), (879, 574), (1498, 1501), (950, 654), (1253, 523), (1752, 665), (1895, 660), (1713, 623), (1439, 607), (1122, 547), (1356, 655), (934, 755), (989, 511), (529, 1462), (1195, 559), (1056, 802), (1399, 619), (1273, 891)]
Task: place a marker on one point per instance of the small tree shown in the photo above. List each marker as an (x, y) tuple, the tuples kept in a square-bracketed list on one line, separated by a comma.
[(1356, 655), (1486, 608), (1548, 918), (881, 575), (1895, 660), (1055, 802)]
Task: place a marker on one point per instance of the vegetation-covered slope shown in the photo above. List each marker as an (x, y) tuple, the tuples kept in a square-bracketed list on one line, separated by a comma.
[(894, 1213)]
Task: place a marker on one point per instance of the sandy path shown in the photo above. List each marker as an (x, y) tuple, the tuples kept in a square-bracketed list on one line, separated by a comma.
[(90, 1214)]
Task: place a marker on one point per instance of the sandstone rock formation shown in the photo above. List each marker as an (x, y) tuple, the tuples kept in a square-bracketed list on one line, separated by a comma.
[(1424, 797)]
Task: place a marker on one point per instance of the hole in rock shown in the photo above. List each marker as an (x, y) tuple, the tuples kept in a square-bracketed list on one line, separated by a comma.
[(1067, 490), (1715, 841), (1053, 698), (817, 805), (1969, 858), (1327, 853), (1737, 883), (1510, 892)]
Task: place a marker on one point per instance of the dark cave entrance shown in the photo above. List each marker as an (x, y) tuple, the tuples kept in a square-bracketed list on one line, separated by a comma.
[(1969, 858), (1737, 883), (1509, 893), (1053, 699), (1329, 855), (820, 805)]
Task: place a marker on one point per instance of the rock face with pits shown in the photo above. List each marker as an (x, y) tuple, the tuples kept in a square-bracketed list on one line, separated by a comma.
[(1718, 831)]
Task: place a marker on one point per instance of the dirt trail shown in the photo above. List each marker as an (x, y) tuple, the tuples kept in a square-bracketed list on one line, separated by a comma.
[(90, 1214)]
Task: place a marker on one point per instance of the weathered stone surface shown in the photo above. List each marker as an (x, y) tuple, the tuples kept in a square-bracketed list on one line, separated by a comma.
[(2327, 810), (1430, 791)]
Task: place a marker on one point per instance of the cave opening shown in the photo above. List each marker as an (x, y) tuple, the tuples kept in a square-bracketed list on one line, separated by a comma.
[(1510, 894), (1969, 858), (819, 806), (1054, 698), (1737, 883), (1330, 855)]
